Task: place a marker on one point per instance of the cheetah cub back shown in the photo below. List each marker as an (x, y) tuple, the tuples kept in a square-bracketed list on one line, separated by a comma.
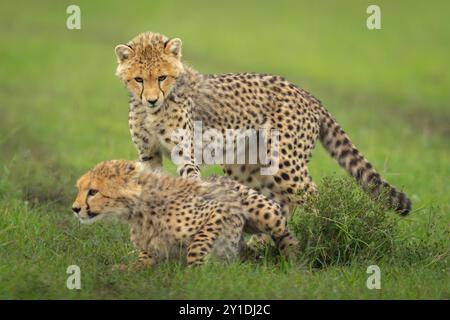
[(170, 216), (166, 95)]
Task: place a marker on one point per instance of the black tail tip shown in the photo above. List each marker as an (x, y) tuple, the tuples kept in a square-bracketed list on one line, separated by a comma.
[(403, 204)]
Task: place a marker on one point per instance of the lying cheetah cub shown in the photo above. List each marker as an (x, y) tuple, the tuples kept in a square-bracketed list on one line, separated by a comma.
[(170, 216)]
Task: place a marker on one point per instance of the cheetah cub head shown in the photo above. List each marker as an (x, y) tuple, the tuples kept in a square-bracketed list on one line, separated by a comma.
[(108, 190), (149, 66)]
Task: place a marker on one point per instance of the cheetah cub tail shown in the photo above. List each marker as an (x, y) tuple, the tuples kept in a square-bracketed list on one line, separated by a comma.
[(339, 146)]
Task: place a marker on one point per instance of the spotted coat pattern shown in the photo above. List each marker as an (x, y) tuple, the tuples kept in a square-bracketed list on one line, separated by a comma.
[(239, 101), (173, 217)]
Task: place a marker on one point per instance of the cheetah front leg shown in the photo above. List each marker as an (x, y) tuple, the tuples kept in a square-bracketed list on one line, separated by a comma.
[(188, 167), (182, 155), (145, 259), (182, 152), (147, 143), (150, 153)]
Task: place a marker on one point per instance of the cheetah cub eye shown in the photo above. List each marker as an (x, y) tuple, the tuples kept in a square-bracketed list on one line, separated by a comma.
[(92, 192), (162, 78), (139, 79)]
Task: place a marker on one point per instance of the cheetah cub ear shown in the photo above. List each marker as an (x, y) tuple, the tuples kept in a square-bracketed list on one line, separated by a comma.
[(123, 52), (139, 167), (134, 167), (173, 46)]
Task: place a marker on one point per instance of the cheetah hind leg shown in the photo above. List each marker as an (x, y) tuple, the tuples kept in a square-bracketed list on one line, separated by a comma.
[(222, 239), (287, 245), (258, 245), (261, 243), (250, 175)]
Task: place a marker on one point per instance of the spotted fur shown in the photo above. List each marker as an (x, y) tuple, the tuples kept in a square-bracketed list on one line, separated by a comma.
[(173, 216), (235, 101)]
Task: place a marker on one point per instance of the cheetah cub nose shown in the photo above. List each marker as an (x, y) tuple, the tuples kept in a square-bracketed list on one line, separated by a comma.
[(76, 210), (151, 103)]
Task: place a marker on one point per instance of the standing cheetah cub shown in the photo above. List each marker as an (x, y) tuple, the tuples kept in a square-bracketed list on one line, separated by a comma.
[(170, 216), (166, 95)]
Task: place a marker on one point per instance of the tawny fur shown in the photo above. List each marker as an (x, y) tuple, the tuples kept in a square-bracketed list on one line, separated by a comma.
[(165, 95), (173, 216)]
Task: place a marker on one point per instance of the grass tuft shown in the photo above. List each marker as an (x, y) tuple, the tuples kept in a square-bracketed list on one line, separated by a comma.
[(343, 224)]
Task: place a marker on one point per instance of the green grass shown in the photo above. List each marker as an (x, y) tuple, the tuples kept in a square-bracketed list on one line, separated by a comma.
[(62, 110)]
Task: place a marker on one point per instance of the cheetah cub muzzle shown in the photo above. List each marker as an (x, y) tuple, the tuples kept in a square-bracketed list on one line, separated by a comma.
[(173, 217)]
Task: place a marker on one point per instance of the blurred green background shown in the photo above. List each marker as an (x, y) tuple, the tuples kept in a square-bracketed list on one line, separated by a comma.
[(62, 110)]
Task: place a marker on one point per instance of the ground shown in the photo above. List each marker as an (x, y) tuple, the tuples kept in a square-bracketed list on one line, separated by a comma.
[(62, 110)]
